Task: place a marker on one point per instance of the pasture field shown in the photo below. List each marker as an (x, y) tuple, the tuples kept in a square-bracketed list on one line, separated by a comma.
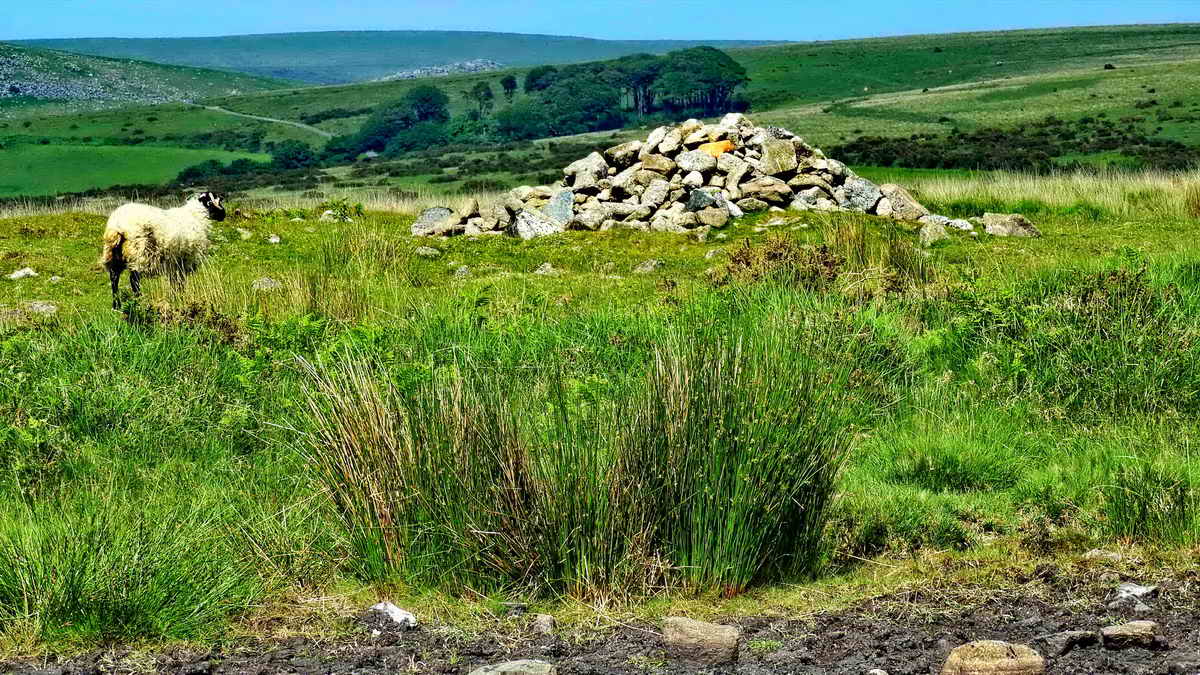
[(457, 431), (53, 169)]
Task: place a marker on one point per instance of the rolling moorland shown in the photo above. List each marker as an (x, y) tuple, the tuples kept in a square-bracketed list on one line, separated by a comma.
[(987, 434), (831, 93), (340, 57)]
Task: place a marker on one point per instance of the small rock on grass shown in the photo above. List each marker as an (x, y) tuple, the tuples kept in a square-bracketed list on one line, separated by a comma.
[(274, 239), (401, 617), (648, 267), (993, 657), (1099, 554), (427, 252), (544, 624), (1133, 634), (56, 280), (546, 269), (526, 667), (462, 272), (23, 273), (41, 308), (699, 642), (265, 285)]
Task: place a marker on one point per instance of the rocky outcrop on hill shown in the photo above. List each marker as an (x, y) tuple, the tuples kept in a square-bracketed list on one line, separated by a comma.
[(456, 68), (695, 176)]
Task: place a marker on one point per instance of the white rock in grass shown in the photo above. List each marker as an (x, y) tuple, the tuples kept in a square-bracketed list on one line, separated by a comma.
[(56, 280), (41, 308), (23, 273), (401, 617), (244, 233), (265, 285), (274, 239)]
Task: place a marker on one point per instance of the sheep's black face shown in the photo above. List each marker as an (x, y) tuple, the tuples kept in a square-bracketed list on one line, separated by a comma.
[(216, 210)]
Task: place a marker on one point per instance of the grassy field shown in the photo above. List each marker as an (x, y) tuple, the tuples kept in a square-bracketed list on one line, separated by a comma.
[(338, 57), (52, 169), (999, 399)]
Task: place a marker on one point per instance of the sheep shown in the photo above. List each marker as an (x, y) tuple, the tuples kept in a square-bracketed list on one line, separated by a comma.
[(149, 241)]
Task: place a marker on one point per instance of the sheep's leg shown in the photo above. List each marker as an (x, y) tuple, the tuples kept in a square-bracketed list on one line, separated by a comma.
[(114, 277), (135, 282)]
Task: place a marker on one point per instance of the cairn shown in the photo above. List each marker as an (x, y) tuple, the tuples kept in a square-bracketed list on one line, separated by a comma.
[(685, 178)]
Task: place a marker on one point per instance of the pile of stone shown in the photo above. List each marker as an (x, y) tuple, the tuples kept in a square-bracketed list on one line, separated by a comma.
[(686, 178)]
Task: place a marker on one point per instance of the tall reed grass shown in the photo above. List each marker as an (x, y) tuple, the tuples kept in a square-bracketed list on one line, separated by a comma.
[(715, 472)]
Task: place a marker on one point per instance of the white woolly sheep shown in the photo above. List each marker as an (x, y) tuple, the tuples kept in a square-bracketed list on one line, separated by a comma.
[(149, 241)]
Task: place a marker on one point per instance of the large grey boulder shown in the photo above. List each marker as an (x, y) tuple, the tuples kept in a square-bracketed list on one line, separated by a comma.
[(435, 222), (700, 643), (587, 172), (671, 142), (561, 206), (696, 160), (904, 205), (531, 224), (779, 156), (656, 193), (735, 170), (652, 141), (861, 194)]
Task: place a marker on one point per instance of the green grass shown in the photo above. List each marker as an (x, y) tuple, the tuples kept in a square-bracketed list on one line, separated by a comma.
[(50, 169), (481, 435)]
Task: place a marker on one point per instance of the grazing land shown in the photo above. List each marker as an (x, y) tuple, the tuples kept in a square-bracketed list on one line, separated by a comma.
[(967, 422), (53, 169)]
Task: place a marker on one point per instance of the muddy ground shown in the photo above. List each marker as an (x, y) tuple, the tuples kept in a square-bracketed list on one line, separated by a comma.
[(901, 634)]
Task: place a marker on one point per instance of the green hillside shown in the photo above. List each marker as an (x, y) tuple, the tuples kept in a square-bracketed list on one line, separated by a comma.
[(333, 57), (48, 81), (831, 93)]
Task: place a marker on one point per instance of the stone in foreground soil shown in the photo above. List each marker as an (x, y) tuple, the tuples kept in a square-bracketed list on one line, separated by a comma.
[(993, 657), (526, 667), (1132, 634), (700, 642), (1059, 644)]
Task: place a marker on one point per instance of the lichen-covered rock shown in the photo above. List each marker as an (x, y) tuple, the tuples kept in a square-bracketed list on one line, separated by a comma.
[(434, 222), (659, 163), (778, 156), (861, 194), (524, 667), (531, 224), (656, 193), (652, 142), (671, 142), (768, 189), (993, 657), (904, 205), (751, 205), (697, 161), (587, 172), (623, 155), (713, 217), (1009, 225), (561, 207), (932, 233)]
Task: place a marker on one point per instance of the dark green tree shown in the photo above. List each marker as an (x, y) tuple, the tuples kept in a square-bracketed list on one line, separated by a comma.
[(484, 97), (428, 104), (700, 78), (509, 84), (293, 155), (539, 78), (524, 120)]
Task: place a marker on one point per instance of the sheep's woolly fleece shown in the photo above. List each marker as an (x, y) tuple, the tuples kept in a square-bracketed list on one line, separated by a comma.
[(154, 240)]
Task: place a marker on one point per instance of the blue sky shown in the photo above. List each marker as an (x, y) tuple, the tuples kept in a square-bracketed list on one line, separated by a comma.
[(630, 19)]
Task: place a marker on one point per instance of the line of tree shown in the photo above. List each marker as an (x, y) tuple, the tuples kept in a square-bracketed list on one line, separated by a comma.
[(574, 99)]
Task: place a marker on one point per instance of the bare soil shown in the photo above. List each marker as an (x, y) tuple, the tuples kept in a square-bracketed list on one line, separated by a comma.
[(902, 634)]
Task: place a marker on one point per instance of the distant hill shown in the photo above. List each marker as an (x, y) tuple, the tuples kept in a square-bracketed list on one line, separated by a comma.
[(342, 57), (48, 79)]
